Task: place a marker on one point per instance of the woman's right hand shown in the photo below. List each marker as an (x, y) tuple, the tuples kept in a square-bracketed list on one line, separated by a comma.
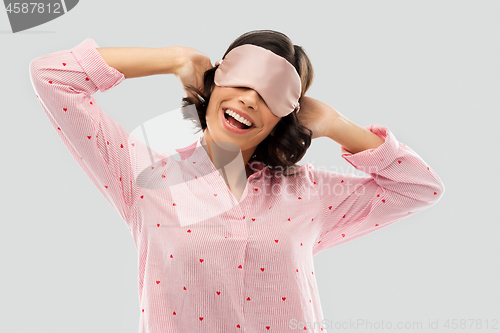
[(192, 68)]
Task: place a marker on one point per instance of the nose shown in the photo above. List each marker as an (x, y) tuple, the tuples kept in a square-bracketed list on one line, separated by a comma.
[(249, 97)]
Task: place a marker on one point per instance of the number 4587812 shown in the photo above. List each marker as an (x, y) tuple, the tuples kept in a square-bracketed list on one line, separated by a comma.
[(24, 7)]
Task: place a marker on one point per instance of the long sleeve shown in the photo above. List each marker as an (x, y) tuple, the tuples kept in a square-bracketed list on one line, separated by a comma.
[(399, 184), (64, 83)]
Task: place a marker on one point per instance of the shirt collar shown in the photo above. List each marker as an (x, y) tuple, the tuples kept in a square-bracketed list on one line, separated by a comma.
[(187, 152)]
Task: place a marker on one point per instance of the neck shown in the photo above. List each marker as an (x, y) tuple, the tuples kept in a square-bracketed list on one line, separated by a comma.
[(224, 154)]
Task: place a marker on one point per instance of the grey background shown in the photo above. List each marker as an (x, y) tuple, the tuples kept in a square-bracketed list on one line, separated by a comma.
[(427, 70)]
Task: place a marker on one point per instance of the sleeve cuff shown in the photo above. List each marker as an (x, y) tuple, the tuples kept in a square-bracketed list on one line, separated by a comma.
[(374, 160), (102, 75)]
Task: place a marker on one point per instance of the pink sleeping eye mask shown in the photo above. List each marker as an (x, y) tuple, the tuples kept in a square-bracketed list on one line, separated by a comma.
[(271, 75)]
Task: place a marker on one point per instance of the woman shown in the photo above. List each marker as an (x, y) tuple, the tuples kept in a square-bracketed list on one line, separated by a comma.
[(248, 73), (204, 267)]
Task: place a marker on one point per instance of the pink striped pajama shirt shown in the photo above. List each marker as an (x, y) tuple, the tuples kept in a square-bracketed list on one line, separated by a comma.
[(208, 262)]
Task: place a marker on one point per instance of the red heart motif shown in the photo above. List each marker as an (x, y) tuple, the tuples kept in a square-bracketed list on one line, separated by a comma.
[(90, 103), (253, 219), (194, 162), (378, 195), (343, 217), (89, 136), (300, 198), (218, 292), (59, 128), (86, 79), (283, 298), (121, 145), (240, 266), (171, 256), (65, 109), (248, 298), (106, 186), (276, 240), (297, 270), (215, 194), (50, 82), (238, 325), (107, 142), (157, 282), (262, 269), (201, 260), (314, 183), (268, 327), (330, 208), (383, 200), (189, 230), (399, 162), (174, 313), (427, 168), (142, 197), (158, 225), (184, 288), (343, 235), (376, 225), (435, 193), (64, 64), (342, 181), (256, 189), (300, 244), (288, 219), (142, 310), (174, 204), (201, 318)]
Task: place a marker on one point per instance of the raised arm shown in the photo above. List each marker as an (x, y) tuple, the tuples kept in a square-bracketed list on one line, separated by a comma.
[(65, 82), (135, 62), (399, 182), (187, 64)]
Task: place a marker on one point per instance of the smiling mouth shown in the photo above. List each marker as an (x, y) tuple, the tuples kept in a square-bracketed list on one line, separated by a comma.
[(228, 118)]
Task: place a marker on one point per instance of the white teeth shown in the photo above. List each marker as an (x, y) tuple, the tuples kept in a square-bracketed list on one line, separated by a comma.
[(237, 117)]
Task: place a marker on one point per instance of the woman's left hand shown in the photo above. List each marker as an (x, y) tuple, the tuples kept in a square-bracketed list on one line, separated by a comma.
[(316, 115)]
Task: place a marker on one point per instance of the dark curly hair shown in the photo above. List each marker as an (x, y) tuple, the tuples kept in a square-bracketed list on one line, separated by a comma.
[(290, 139)]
